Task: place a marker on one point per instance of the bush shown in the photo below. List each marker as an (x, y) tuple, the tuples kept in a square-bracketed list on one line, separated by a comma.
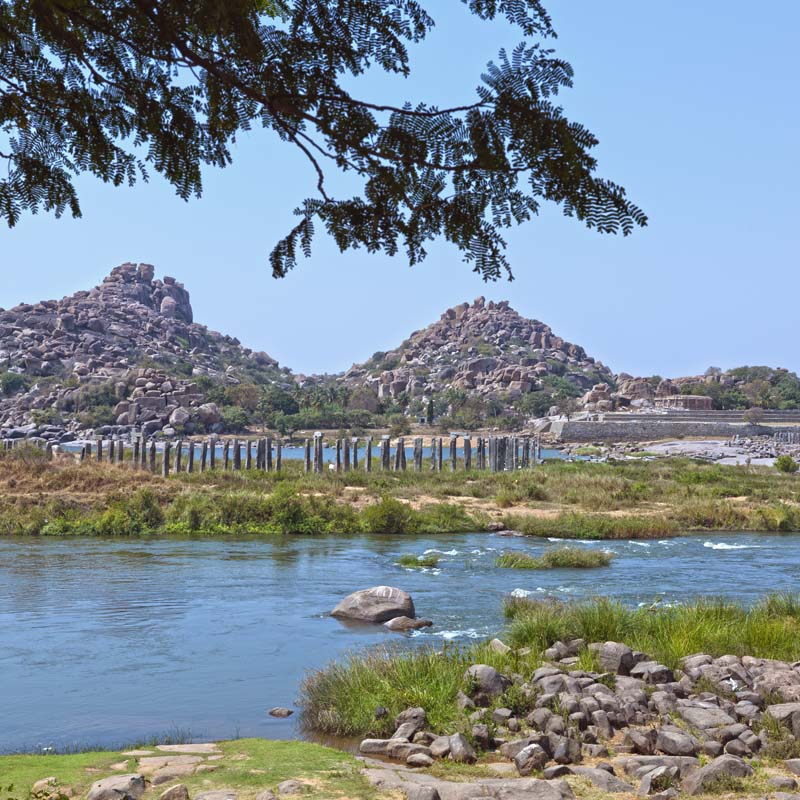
[(410, 561), (12, 382), (786, 464), (388, 516)]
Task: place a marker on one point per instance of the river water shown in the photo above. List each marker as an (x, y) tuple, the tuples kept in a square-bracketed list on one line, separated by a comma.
[(109, 641)]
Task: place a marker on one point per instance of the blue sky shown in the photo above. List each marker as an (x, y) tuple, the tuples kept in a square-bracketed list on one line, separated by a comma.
[(695, 105)]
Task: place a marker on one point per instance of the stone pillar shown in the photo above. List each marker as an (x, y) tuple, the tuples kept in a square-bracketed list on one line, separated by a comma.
[(306, 455), (526, 452), (112, 450), (467, 452), (248, 458), (453, 452), (120, 451), (318, 453), (368, 455), (178, 456), (81, 457), (418, 454), (143, 453), (278, 454), (268, 453), (226, 455), (346, 454), (87, 446), (136, 446), (237, 455), (439, 454), (397, 453), (338, 450), (385, 453), (402, 454), (190, 458), (354, 443), (433, 454), (166, 459), (259, 454), (152, 456), (212, 453), (203, 455)]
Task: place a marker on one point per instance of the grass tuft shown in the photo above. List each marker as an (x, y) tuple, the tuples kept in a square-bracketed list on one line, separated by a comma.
[(410, 561), (556, 558)]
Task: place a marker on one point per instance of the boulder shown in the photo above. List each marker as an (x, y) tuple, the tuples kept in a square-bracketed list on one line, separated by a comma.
[(530, 759), (614, 657), (485, 683), (378, 604), (118, 787), (676, 743), (715, 774), (705, 716), (280, 712), (461, 750), (603, 780), (177, 792), (407, 624)]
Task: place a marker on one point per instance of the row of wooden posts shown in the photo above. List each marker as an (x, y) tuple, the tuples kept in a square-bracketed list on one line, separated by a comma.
[(493, 453)]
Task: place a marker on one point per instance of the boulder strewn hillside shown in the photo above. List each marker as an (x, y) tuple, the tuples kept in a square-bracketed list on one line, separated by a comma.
[(129, 345), (483, 349)]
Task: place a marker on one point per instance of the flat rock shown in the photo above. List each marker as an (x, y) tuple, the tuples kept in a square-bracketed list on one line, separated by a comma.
[(118, 787), (200, 747), (136, 753), (150, 763), (378, 604), (603, 779), (177, 792), (407, 624), (171, 772), (280, 712), (705, 717), (292, 787), (217, 794)]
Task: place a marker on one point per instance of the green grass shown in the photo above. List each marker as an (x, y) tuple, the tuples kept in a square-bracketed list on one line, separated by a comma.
[(593, 526), (249, 766), (769, 629), (411, 561), (341, 698), (556, 558)]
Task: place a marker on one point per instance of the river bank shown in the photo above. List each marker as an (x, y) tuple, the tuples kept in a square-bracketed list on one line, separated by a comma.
[(650, 499)]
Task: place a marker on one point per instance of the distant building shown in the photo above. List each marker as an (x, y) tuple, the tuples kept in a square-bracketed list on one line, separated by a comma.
[(687, 402)]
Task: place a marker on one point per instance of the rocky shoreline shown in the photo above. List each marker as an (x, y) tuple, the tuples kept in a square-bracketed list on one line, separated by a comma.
[(635, 726)]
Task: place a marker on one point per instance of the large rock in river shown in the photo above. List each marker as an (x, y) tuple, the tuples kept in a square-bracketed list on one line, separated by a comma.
[(378, 604)]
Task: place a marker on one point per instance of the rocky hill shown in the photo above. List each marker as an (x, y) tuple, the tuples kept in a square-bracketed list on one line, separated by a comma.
[(483, 349), (130, 343)]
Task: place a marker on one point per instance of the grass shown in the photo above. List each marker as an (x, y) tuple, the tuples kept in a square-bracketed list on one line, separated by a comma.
[(248, 766), (579, 500), (556, 558), (342, 697), (410, 561), (769, 629)]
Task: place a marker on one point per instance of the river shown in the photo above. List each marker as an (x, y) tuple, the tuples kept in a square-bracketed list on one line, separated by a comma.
[(110, 641)]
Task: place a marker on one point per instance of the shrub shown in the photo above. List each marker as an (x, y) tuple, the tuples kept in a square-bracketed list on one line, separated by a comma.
[(12, 382), (388, 516), (786, 464)]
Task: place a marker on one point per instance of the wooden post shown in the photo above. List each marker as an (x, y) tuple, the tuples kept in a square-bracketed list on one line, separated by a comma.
[(81, 458), (306, 455), (178, 456), (268, 453), (278, 453), (259, 454), (87, 446), (453, 452), (165, 460), (226, 455), (346, 454), (402, 448), (418, 454), (112, 450), (212, 453), (433, 454), (439, 457), (368, 455), (354, 443), (190, 458), (467, 452), (99, 451), (152, 456), (397, 458), (136, 446), (526, 452), (338, 455), (143, 453), (248, 458), (203, 455)]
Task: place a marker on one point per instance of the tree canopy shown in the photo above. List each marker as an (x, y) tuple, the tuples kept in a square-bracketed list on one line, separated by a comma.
[(120, 88)]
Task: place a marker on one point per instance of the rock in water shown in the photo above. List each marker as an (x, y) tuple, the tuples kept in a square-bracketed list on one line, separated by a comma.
[(280, 712), (407, 624), (378, 604)]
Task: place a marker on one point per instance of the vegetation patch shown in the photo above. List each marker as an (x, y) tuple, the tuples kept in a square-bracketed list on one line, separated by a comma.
[(556, 558), (410, 561)]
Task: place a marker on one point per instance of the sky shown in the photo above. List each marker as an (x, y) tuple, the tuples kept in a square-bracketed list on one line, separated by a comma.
[(696, 108)]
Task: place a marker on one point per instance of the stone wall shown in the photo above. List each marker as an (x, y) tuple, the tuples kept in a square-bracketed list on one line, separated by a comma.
[(647, 430)]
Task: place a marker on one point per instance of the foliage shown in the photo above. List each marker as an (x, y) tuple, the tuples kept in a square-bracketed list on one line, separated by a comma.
[(786, 464), (117, 89), (556, 558)]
